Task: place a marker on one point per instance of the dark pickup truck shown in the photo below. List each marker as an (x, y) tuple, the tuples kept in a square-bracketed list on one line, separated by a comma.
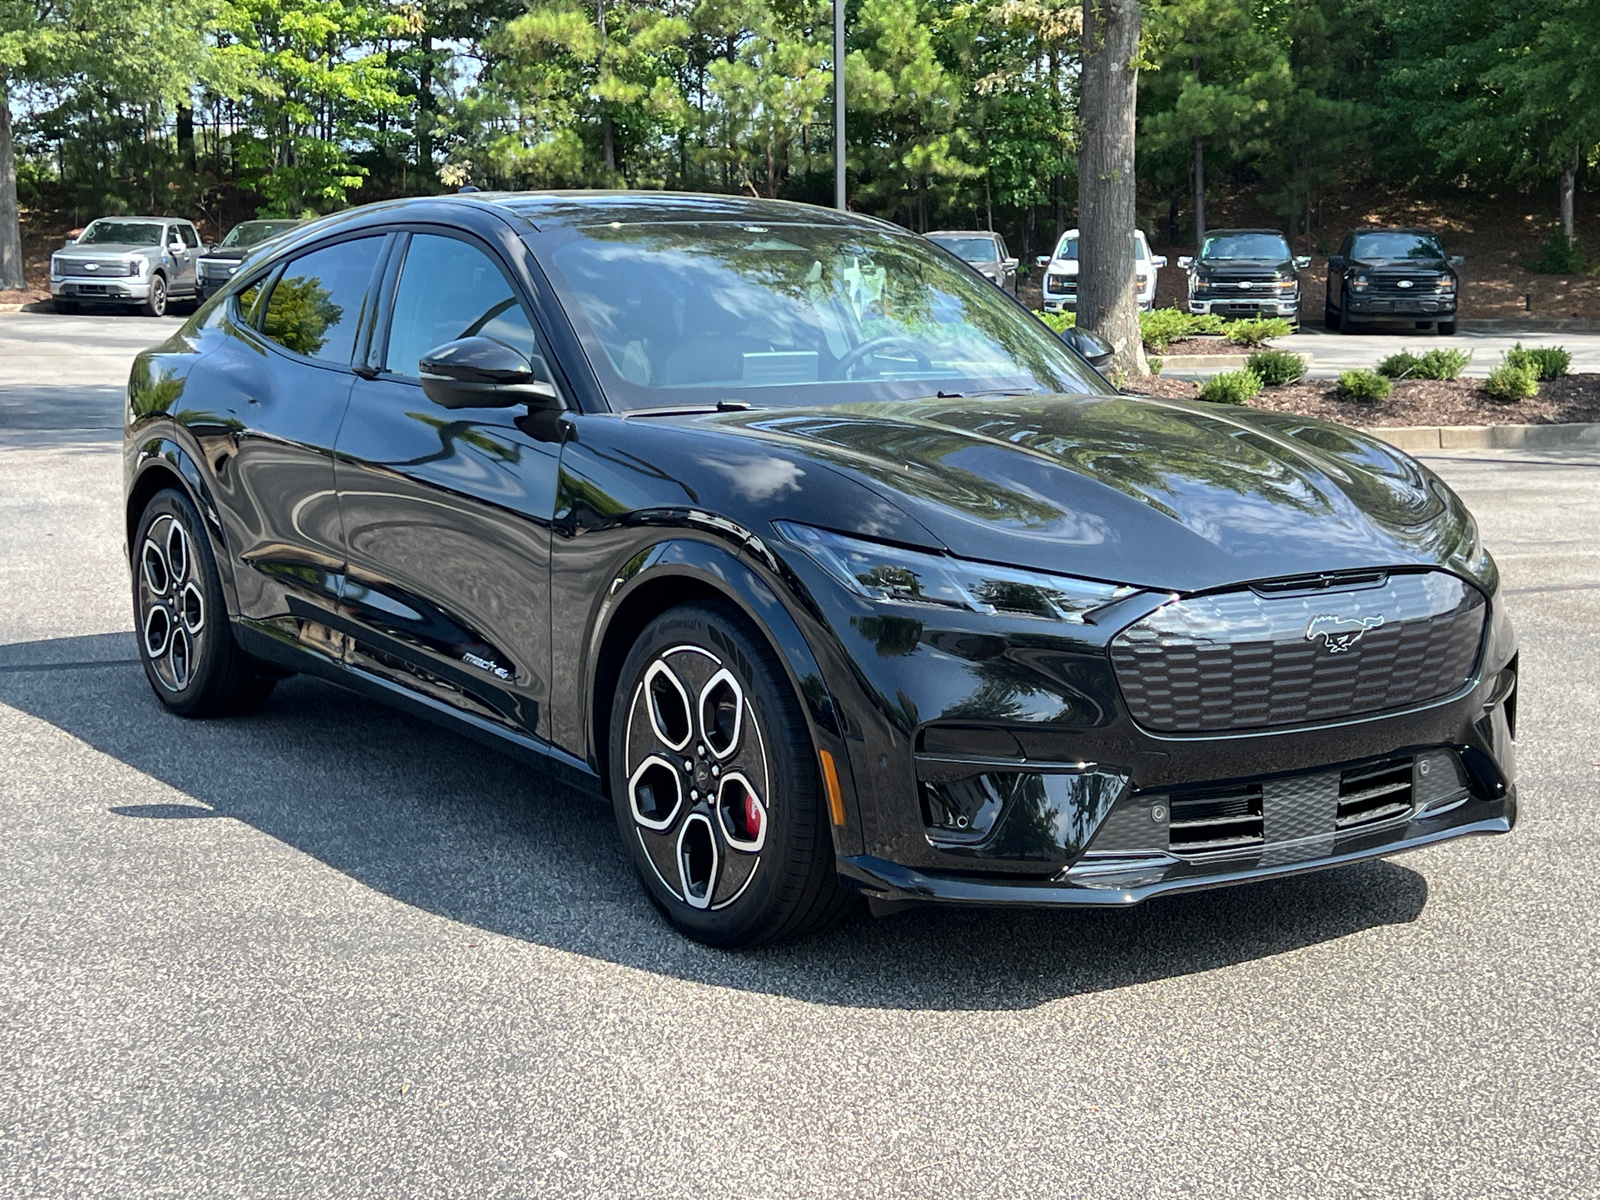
[(1392, 274)]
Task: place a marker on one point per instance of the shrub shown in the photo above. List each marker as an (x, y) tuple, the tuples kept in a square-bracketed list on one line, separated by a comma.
[(1231, 387), (1256, 332), (1511, 383), (1559, 256), (1058, 322), (1364, 385), (1276, 367), (1400, 366), (1546, 362), (1160, 327), (1443, 364)]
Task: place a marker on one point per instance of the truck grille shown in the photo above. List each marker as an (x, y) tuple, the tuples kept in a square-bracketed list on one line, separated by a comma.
[(1389, 285), (1256, 659), (113, 267)]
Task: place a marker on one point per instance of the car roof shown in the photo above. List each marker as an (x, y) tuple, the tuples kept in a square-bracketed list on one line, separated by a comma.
[(1216, 232), (1395, 229), (147, 220), (548, 209), (933, 233)]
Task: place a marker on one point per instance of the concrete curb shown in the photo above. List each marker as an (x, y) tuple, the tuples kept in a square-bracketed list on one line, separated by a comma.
[(1572, 435), (1532, 325), (1218, 362), (5, 308)]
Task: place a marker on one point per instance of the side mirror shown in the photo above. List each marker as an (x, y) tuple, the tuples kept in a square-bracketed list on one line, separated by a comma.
[(1088, 345), (1186, 261), (1457, 260), (1158, 261), (176, 247), (1302, 261), (480, 372), (1335, 262), (1043, 260), (1009, 264)]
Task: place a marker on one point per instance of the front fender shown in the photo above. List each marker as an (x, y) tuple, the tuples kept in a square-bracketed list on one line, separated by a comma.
[(690, 565)]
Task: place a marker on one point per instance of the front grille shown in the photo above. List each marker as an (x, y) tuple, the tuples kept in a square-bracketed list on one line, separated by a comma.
[(69, 266), (1375, 793), (1217, 821), (1247, 660), (1389, 285)]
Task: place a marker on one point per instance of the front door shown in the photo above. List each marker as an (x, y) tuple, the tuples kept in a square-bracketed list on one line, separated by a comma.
[(447, 511)]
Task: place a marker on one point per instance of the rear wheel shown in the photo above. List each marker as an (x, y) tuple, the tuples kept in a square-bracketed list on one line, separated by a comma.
[(716, 784), (185, 641), (155, 304)]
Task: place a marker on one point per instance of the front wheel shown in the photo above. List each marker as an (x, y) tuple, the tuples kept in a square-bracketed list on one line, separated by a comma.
[(1447, 327), (66, 308), (185, 642), (1346, 325), (155, 304), (716, 784)]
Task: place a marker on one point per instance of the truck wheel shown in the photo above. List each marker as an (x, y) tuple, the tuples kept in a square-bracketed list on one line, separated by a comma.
[(1447, 328), (155, 304)]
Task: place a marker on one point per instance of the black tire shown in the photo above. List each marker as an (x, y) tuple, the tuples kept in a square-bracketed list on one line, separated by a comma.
[(181, 621), (155, 304), (1346, 325), (725, 871), (1448, 328), (1330, 318), (67, 308)]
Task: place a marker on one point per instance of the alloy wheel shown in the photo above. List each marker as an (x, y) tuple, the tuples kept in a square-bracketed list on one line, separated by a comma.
[(172, 604), (697, 777)]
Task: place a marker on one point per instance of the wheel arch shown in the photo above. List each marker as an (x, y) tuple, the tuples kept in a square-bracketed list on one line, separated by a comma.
[(163, 463), (686, 570)]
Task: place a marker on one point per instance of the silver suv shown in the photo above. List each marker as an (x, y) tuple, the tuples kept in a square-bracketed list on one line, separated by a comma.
[(149, 261)]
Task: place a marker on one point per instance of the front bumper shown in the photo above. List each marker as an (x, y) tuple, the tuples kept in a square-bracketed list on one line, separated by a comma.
[(1407, 306), (110, 289), (1119, 884), (1235, 306)]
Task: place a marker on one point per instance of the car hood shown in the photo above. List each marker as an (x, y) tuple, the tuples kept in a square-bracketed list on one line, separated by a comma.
[(1160, 494), (1401, 264), (104, 250), (1242, 266), (233, 253)]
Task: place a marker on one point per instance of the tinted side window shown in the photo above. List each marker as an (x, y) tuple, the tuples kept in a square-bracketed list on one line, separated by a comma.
[(317, 305), (450, 289), (190, 237)]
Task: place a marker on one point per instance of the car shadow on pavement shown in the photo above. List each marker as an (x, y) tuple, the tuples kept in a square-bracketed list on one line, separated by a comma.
[(429, 818)]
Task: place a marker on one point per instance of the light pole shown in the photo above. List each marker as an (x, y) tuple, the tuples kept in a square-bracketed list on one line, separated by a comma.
[(838, 105)]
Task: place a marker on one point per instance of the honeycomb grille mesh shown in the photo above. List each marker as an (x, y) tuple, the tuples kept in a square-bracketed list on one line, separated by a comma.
[(1241, 660)]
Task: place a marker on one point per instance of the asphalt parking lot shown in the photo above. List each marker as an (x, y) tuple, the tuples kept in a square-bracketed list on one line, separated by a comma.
[(329, 950), (1334, 352)]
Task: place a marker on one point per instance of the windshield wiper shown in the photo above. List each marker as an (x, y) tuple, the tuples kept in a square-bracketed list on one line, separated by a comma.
[(991, 392)]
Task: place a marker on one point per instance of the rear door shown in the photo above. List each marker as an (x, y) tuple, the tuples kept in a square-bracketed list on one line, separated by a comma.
[(287, 374), (447, 512), (188, 280)]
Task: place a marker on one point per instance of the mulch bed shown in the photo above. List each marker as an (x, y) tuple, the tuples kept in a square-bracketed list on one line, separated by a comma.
[(1201, 345), (1416, 402), (26, 296)]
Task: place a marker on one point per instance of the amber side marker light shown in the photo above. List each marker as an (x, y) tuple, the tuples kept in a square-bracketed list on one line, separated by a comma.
[(830, 781)]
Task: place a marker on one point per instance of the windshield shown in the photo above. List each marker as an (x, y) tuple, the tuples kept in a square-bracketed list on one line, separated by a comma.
[(1231, 246), (121, 233), (1068, 248), (250, 233), (1396, 245), (694, 313), (971, 249)]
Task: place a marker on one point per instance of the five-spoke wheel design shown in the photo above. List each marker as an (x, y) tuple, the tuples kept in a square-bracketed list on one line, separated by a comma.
[(172, 605), (697, 777)]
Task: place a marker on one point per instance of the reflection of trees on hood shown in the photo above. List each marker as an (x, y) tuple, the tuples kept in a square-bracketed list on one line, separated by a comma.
[(299, 314), (150, 395)]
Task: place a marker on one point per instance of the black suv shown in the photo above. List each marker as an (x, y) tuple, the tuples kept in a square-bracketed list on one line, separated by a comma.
[(1245, 273), (1392, 273)]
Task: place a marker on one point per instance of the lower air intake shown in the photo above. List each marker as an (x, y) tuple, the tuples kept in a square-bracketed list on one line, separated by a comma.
[(1216, 821), (1378, 792)]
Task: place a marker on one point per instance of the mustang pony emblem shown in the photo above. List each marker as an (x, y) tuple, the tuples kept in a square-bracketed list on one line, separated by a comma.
[(1338, 634)]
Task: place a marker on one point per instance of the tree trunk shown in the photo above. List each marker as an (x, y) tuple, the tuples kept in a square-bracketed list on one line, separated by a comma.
[(1107, 305), (425, 105), (1199, 194), (10, 215), (1569, 185), (608, 148), (186, 136)]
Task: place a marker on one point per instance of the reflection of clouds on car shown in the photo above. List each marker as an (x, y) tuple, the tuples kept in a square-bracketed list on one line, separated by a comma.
[(759, 478)]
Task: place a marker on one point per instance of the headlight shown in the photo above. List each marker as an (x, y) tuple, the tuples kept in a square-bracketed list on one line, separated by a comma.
[(1447, 285), (55, 266), (1202, 284), (1466, 550), (898, 576), (1359, 284), (1287, 285)]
